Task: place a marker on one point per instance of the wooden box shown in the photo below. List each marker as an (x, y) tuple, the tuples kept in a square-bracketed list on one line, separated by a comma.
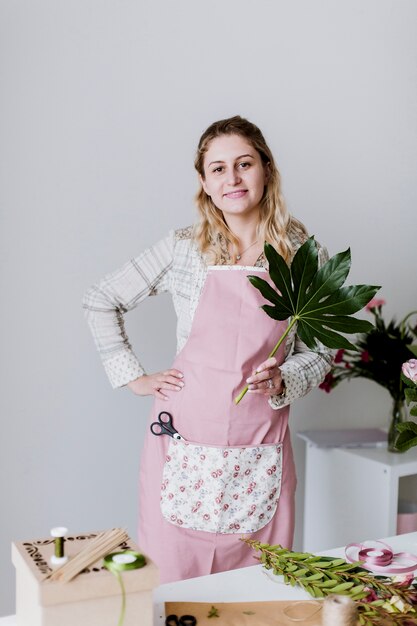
[(93, 598)]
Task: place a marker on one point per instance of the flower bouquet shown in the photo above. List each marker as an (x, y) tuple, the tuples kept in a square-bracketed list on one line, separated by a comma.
[(379, 356)]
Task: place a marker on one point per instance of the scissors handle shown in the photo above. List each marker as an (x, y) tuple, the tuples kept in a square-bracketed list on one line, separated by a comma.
[(158, 429), (166, 422), (165, 426), (188, 620), (185, 620)]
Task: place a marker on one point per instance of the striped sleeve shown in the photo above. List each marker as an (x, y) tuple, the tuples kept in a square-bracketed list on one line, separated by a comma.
[(106, 302)]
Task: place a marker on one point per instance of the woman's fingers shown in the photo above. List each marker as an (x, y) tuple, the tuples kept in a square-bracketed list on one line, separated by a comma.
[(264, 371), (258, 378), (266, 379), (173, 372), (153, 384), (159, 394), (266, 365), (170, 381)]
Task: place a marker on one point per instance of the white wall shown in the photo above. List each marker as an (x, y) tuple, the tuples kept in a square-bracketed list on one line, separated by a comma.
[(102, 104)]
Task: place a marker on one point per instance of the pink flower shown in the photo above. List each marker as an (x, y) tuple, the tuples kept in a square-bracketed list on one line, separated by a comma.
[(339, 356), (409, 369), (374, 303), (365, 356), (327, 384), (371, 597)]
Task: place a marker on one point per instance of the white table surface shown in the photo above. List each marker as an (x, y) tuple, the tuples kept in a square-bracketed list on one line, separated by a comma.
[(249, 584)]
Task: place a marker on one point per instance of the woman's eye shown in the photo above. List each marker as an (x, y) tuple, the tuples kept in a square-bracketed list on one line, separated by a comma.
[(218, 169), (244, 165)]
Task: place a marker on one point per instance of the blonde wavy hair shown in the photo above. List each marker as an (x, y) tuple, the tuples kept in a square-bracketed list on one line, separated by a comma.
[(276, 225)]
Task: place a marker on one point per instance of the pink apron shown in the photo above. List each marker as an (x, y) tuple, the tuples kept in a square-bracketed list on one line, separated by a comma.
[(234, 472)]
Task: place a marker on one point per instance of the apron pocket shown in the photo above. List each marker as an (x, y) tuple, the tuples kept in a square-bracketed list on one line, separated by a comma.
[(221, 489)]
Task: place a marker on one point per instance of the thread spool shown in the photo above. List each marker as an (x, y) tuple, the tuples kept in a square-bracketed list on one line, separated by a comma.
[(122, 561), (340, 610), (58, 558)]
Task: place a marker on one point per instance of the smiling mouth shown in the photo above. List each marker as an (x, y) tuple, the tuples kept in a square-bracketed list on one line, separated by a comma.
[(239, 193)]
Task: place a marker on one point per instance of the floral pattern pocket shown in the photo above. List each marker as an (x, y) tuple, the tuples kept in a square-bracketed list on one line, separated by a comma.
[(221, 489)]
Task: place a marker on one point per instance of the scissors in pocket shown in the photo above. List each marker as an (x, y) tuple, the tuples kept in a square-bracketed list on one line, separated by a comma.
[(185, 620), (164, 426)]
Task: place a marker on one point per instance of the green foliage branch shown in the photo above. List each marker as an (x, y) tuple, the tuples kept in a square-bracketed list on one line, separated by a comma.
[(321, 576)]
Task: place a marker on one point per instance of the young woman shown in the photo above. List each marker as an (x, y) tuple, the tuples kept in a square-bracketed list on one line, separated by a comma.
[(232, 473)]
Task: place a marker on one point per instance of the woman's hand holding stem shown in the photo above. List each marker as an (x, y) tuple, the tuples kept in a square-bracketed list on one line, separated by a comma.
[(266, 379)]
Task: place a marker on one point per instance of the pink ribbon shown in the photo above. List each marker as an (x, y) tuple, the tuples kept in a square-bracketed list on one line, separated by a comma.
[(380, 558)]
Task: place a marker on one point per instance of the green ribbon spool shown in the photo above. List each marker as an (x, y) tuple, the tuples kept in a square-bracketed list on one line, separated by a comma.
[(128, 560)]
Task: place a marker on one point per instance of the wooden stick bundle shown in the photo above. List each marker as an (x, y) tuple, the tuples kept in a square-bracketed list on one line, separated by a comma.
[(102, 545)]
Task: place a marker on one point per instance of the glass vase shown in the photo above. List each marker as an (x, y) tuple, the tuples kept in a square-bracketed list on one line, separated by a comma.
[(398, 415)]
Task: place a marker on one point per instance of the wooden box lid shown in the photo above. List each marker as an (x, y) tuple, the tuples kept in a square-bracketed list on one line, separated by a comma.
[(94, 582)]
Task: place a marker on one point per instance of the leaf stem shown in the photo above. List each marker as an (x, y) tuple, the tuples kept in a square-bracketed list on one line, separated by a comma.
[(281, 339)]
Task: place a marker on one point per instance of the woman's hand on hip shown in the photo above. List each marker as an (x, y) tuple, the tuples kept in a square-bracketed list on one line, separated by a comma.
[(152, 384), (266, 380)]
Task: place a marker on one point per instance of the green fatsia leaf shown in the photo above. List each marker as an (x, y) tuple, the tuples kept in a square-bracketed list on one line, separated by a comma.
[(303, 269), (276, 312), (314, 298), (344, 301), (346, 324), (306, 334), (281, 276), (329, 277), (266, 290), (327, 337)]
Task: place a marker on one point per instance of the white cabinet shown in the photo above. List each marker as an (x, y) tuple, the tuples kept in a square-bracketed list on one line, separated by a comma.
[(351, 494)]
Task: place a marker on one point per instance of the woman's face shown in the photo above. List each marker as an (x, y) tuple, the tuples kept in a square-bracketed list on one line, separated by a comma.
[(234, 175)]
